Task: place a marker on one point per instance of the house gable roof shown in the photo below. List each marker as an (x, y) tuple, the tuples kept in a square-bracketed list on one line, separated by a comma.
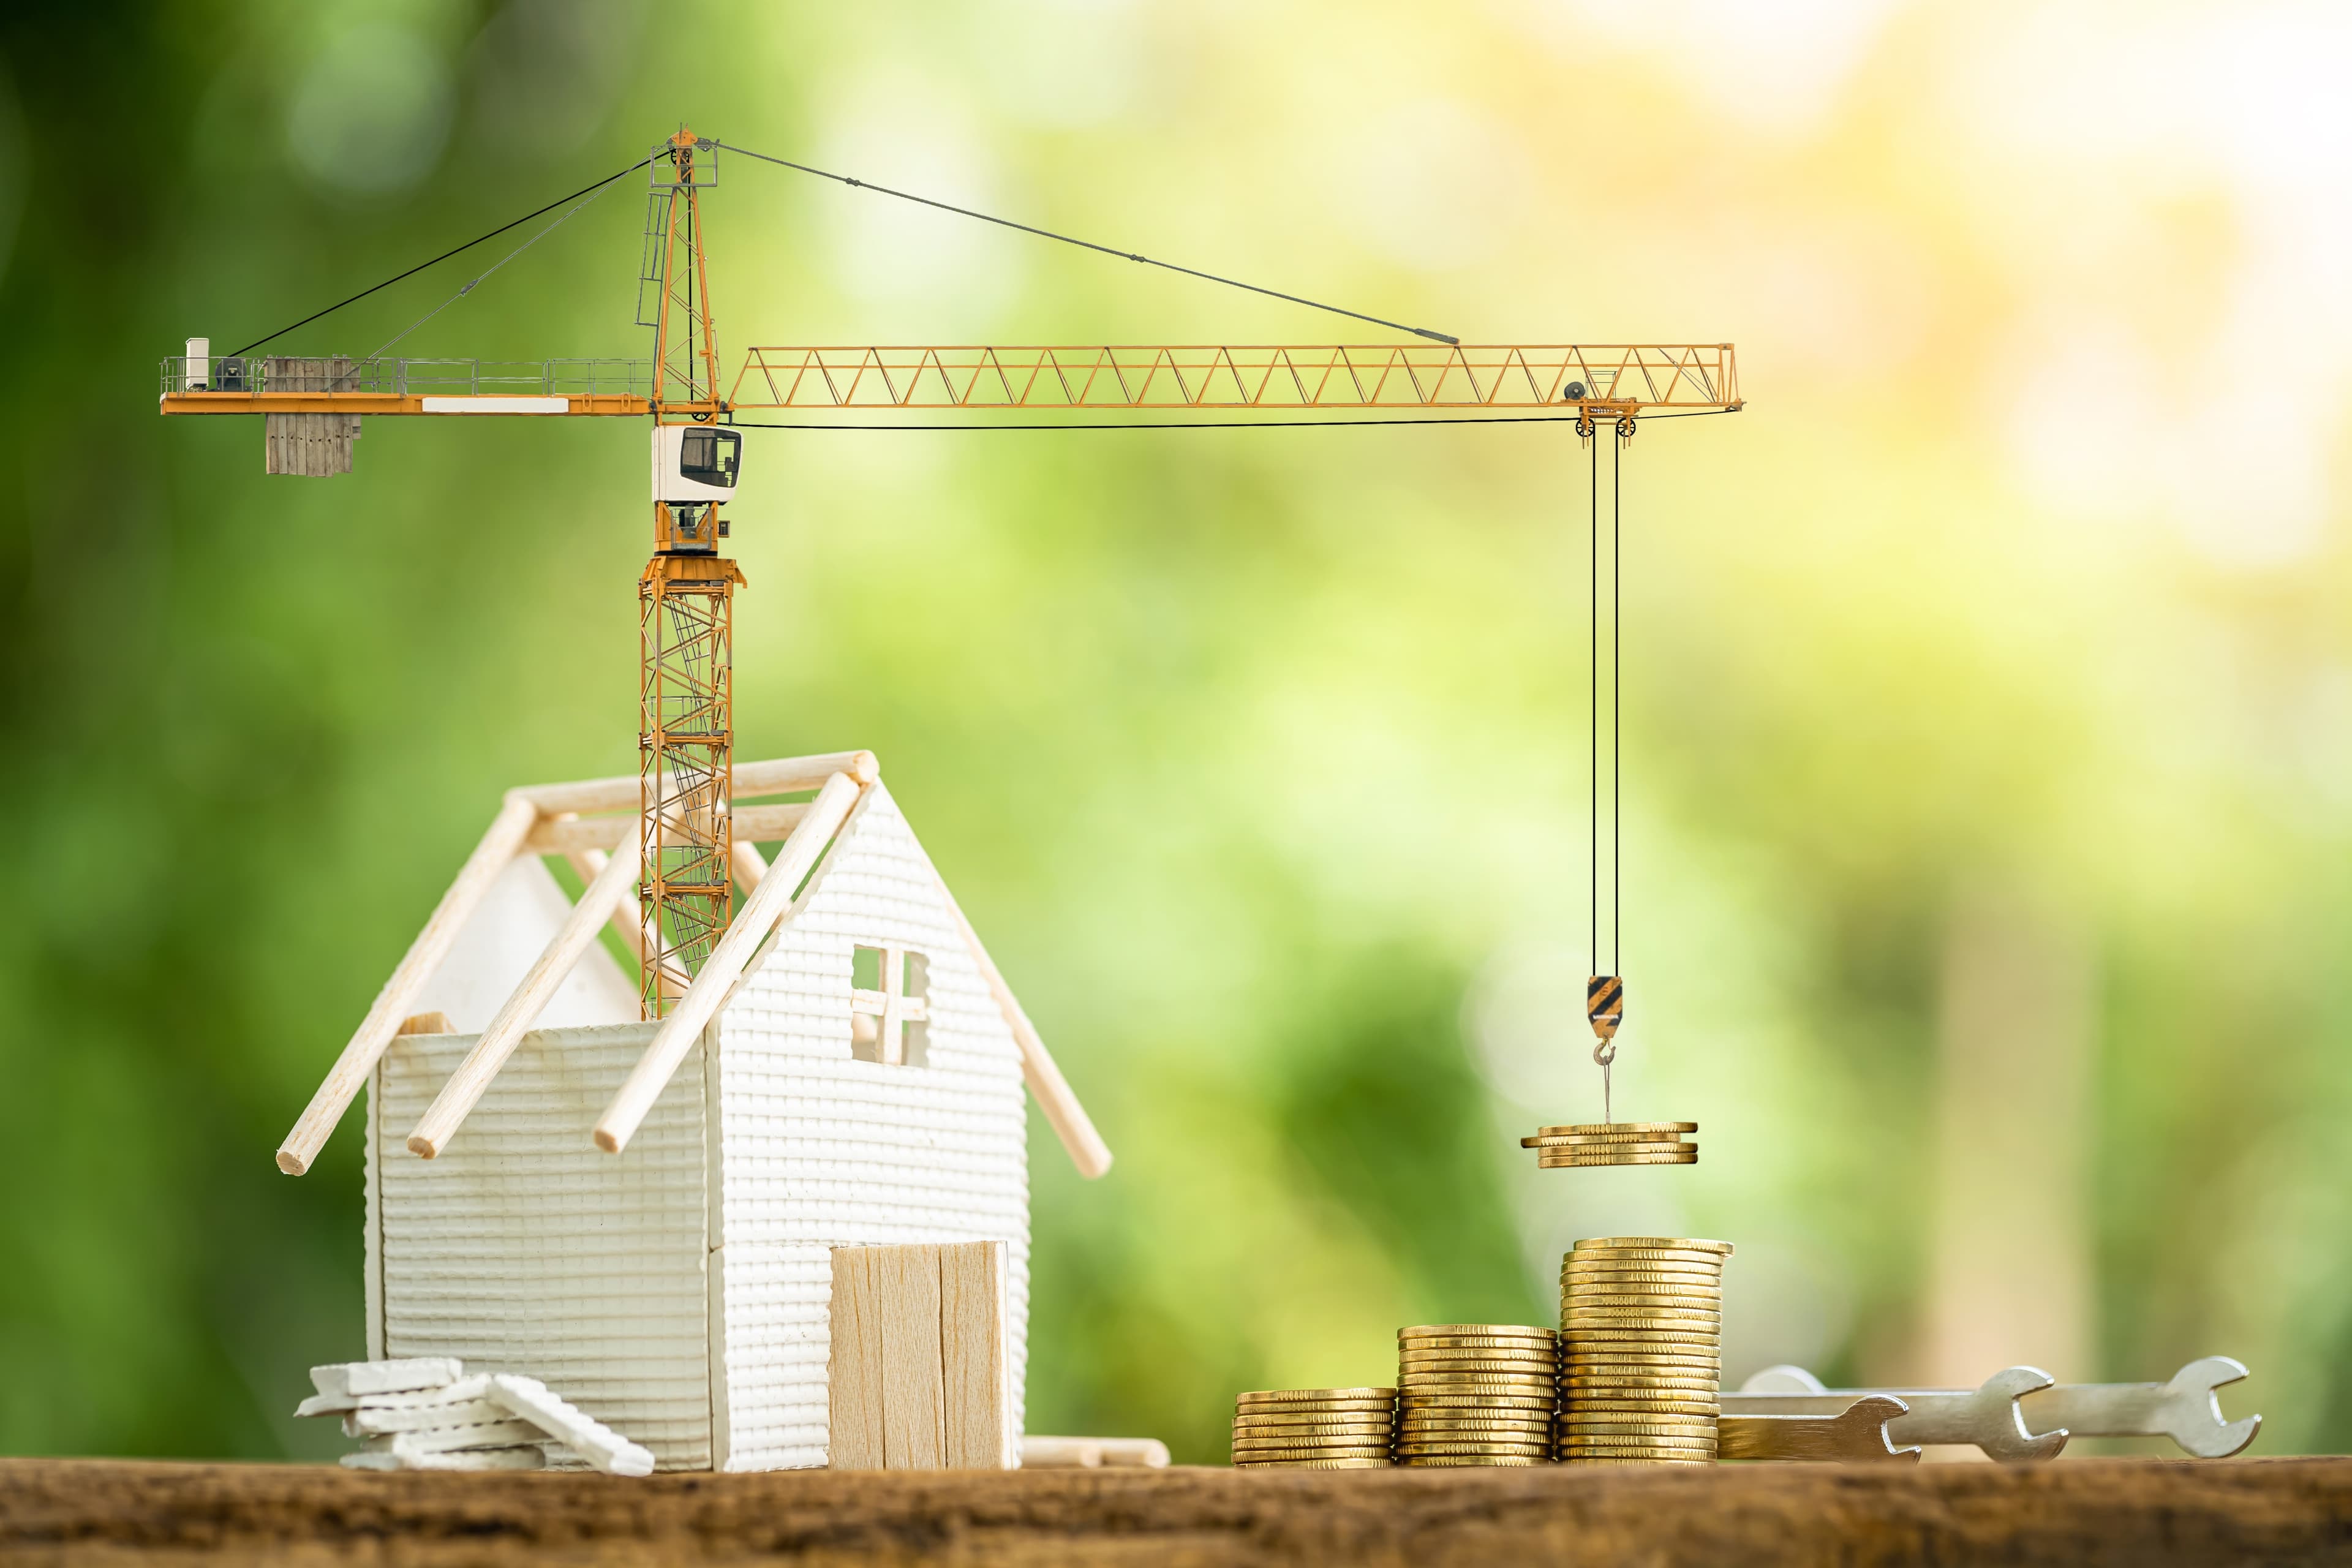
[(593, 825)]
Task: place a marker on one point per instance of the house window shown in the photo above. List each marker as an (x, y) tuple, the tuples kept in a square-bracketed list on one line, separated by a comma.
[(889, 1006)]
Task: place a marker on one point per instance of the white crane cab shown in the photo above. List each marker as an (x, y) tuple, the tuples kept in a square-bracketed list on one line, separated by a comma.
[(694, 463)]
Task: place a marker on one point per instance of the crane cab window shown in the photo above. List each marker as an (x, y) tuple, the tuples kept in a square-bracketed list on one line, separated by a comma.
[(710, 457)]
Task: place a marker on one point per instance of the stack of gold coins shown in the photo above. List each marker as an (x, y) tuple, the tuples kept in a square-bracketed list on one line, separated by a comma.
[(1314, 1428), (1613, 1143), (1475, 1393), (1641, 1327)]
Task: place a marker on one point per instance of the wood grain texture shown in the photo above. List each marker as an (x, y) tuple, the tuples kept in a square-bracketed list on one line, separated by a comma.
[(976, 1399), (2076, 1513), (906, 1287), (854, 1365)]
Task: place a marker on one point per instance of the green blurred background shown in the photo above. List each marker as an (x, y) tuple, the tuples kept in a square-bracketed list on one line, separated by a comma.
[(1987, 682)]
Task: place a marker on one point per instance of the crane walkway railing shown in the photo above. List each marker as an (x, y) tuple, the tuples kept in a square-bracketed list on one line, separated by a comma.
[(315, 374)]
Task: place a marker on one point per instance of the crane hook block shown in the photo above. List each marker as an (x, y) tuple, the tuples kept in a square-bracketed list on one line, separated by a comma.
[(1604, 1004)]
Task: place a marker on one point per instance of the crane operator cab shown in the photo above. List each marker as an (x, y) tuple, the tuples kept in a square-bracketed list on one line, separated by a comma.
[(694, 468)]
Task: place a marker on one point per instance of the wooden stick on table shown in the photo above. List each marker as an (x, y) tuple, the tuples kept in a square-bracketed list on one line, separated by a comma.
[(614, 889), (499, 845)]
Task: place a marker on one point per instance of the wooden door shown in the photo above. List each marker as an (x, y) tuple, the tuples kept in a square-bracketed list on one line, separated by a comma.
[(917, 1377)]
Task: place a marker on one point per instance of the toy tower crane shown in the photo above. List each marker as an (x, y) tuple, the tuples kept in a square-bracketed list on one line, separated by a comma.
[(686, 706)]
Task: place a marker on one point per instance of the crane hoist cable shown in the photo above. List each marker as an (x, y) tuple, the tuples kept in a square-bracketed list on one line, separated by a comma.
[(1604, 993)]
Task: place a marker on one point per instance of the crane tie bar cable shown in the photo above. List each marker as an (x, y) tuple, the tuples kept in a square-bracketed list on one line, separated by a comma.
[(444, 256), (1085, 244)]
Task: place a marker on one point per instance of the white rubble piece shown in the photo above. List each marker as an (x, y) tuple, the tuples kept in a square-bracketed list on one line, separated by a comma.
[(515, 1458), (351, 1379), (369, 1421), (584, 1434), (458, 1393), (452, 1439)]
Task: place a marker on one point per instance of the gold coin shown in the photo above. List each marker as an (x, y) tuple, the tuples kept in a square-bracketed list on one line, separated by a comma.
[(1612, 1145), (1653, 1244), (1597, 1129), (1536, 1431), (1616, 1460), (1381, 1463), (1575, 1285), (1315, 1433), (1453, 1450), (1366, 1412), (1314, 1396), (1521, 1349), (1641, 1410), (1498, 1403), (1608, 1314), (1478, 1330), (1292, 1407), (1412, 1367), (1585, 1423), (1551, 1161), (1638, 1383), (1516, 1344), (1322, 1448), (1639, 1362), (1459, 1462), (1630, 1443)]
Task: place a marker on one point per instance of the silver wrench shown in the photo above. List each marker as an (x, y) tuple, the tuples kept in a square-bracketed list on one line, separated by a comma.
[(2186, 1410), (1856, 1434), (1985, 1418)]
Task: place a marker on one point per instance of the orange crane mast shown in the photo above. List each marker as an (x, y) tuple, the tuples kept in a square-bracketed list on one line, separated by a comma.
[(686, 594)]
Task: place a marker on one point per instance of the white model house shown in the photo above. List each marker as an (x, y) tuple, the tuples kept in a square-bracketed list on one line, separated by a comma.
[(809, 1178)]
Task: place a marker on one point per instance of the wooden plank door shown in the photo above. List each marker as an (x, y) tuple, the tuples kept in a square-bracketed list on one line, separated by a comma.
[(918, 1375)]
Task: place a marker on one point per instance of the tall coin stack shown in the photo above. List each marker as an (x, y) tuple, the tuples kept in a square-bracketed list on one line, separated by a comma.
[(1475, 1393), (1641, 1324), (1314, 1428)]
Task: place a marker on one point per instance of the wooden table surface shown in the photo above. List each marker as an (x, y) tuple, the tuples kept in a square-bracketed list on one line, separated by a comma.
[(2074, 1512)]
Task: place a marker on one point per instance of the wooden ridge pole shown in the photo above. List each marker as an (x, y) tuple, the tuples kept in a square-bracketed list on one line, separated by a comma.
[(504, 840), (695, 1010), (615, 888)]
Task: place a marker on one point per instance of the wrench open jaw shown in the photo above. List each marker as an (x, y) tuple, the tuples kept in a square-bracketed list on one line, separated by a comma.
[(2187, 1409), (1986, 1417), (1856, 1434)]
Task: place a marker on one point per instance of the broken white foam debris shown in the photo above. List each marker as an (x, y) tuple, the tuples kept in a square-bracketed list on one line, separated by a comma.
[(589, 1437), (454, 1439), (346, 1380), (458, 1393), (372, 1421)]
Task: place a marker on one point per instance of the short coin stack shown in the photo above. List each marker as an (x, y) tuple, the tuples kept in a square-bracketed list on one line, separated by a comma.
[(1475, 1393), (1613, 1143), (1640, 1324), (1314, 1428)]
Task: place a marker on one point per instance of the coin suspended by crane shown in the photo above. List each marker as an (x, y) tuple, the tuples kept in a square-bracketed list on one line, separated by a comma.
[(1609, 1141)]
